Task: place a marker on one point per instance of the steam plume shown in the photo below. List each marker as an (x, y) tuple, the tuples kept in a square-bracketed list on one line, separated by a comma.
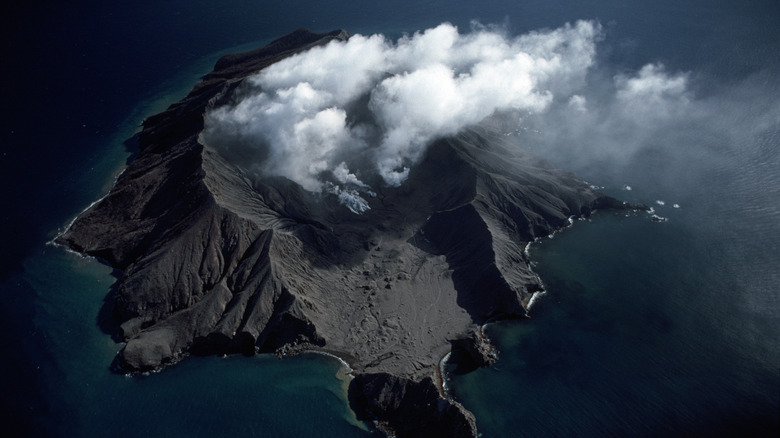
[(337, 116), (347, 116)]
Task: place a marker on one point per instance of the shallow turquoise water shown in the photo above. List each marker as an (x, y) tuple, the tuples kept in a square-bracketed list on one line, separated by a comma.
[(201, 396)]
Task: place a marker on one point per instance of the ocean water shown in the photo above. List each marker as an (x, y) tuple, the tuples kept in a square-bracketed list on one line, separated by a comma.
[(646, 329)]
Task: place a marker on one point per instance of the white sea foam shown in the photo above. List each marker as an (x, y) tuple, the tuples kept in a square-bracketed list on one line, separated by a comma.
[(53, 242), (443, 374), (534, 298), (350, 371), (660, 202)]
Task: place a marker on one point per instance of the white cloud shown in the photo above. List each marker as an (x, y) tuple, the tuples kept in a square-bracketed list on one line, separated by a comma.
[(578, 103), (306, 117), (652, 93)]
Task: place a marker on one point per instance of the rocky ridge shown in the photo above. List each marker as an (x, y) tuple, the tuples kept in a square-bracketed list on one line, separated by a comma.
[(217, 261)]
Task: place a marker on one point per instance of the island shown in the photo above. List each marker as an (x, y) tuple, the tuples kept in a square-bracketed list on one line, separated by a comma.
[(216, 261)]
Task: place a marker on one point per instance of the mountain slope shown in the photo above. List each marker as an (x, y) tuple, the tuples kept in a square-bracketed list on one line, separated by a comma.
[(217, 260)]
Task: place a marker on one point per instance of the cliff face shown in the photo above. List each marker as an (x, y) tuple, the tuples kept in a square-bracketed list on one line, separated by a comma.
[(217, 262), (409, 408)]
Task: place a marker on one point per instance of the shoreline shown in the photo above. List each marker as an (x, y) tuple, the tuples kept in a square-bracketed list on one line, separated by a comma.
[(53, 240), (441, 374)]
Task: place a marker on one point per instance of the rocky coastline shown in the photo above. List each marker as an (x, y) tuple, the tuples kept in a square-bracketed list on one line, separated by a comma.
[(217, 262)]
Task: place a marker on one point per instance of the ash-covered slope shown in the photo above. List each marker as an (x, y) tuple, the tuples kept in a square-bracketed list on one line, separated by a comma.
[(218, 261)]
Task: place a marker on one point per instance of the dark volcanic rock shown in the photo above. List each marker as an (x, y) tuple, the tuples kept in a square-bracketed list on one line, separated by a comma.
[(479, 350), (409, 408), (217, 261)]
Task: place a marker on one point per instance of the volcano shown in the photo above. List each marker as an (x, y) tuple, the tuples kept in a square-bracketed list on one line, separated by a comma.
[(217, 260)]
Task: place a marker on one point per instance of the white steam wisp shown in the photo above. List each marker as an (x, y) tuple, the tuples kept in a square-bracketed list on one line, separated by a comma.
[(336, 115)]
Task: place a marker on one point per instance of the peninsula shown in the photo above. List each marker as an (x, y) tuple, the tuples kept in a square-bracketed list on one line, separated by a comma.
[(218, 260)]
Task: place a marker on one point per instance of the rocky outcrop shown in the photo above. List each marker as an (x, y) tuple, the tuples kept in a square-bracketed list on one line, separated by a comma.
[(478, 349), (409, 408), (216, 261)]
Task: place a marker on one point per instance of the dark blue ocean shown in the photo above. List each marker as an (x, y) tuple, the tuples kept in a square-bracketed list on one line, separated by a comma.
[(646, 328)]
